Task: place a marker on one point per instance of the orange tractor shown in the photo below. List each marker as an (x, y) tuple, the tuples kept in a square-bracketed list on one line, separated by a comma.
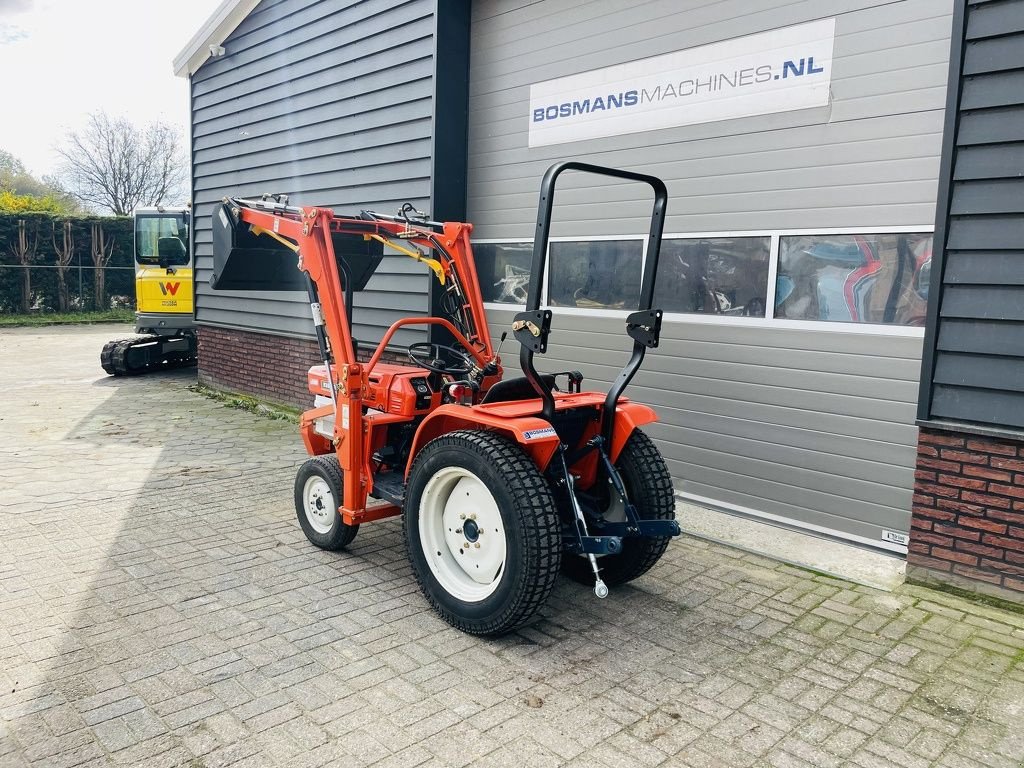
[(501, 482)]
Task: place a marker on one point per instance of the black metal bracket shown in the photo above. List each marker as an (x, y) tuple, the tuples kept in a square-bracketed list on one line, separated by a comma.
[(531, 329), (645, 327), (595, 545)]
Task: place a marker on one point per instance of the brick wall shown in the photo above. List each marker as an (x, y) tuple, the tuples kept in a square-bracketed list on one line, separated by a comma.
[(268, 367), (968, 514)]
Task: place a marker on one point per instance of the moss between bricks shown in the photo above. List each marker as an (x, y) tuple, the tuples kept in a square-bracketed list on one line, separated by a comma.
[(967, 594), (253, 405)]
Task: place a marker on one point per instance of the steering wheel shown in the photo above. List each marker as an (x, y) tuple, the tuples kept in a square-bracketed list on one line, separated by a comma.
[(440, 358)]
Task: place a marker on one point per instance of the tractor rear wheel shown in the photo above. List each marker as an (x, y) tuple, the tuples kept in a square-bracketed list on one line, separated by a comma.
[(649, 488), (482, 531), (318, 495)]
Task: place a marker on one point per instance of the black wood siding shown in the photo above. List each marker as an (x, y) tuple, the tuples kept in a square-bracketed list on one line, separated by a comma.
[(974, 361)]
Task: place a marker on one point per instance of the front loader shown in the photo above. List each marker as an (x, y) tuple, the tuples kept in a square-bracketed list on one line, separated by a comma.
[(501, 482)]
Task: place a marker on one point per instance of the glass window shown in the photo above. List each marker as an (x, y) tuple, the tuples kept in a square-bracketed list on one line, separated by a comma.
[(714, 275), (854, 278), (504, 271), (161, 240), (595, 274)]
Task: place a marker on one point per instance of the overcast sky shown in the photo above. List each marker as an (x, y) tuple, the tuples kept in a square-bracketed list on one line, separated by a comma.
[(62, 59)]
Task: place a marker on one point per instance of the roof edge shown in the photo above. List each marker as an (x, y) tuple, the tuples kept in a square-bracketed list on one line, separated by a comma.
[(223, 21)]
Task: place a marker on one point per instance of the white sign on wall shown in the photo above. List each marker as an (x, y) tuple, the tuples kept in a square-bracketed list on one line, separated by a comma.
[(776, 71)]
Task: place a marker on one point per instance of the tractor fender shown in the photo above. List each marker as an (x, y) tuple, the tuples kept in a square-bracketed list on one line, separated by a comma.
[(628, 416), (535, 435)]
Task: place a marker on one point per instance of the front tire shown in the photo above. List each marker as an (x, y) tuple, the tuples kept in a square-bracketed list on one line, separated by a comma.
[(318, 495), (479, 489), (649, 488)]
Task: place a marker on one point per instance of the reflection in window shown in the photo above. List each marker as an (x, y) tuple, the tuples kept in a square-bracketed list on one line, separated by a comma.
[(854, 278), (597, 274), (718, 275), (504, 271)]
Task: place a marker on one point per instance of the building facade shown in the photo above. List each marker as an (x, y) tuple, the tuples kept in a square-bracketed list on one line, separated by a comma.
[(801, 147)]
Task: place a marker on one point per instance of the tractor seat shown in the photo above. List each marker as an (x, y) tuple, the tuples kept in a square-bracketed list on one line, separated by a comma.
[(519, 388)]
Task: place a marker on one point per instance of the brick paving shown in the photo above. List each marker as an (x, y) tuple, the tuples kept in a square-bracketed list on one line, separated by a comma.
[(159, 606)]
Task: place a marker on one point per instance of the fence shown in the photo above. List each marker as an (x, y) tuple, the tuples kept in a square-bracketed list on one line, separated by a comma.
[(79, 276)]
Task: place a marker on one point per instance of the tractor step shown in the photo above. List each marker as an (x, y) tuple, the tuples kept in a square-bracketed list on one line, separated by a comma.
[(389, 486)]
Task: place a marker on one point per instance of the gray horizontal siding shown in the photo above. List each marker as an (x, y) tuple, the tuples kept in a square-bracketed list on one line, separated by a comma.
[(978, 373), (330, 102), (812, 426)]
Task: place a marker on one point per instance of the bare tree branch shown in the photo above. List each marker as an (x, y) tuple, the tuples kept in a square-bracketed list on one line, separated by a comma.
[(117, 166)]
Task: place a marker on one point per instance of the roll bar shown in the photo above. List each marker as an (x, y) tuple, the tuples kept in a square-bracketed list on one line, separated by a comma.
[(531, 327)]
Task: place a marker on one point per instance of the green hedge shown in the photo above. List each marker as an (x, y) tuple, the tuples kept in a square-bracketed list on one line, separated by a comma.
[(119, 279)]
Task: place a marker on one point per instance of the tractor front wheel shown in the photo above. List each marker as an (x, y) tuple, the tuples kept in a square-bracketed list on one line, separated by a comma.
[(482, 531), (318, 496)]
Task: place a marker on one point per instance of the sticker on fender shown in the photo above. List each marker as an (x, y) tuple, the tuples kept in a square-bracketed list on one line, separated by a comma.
[(535, 434)]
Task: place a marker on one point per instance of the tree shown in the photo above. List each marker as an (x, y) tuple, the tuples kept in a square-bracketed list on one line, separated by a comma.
[(65, 251), (20, 191), (100, 251), (25, 251), (117, 166)]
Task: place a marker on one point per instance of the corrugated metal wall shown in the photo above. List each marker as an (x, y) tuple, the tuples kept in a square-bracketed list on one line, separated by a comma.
[(979, 360), (812, 426), (330, 102)]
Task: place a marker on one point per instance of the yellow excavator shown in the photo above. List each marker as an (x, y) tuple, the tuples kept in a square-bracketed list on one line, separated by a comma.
[(163, 294)]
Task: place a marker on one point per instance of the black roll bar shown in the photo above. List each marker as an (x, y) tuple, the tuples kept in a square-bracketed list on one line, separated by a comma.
[(643, 326)]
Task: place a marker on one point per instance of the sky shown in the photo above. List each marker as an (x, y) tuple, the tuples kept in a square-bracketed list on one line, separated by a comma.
[(63, 59)]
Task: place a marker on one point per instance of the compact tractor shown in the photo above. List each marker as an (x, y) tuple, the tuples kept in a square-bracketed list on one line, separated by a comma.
[(163, 296), (501, 482)]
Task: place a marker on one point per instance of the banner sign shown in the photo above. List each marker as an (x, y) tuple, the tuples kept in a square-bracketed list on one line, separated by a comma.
[(776, 71)]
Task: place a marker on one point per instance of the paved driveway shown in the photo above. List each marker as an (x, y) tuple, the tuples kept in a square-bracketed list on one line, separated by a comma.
[(160, 607)]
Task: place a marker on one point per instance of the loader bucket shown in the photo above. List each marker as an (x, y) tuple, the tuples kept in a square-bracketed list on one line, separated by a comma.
[(243, 261)]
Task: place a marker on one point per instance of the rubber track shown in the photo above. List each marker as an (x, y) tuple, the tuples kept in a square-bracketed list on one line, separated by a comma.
[(114, 357), (539, 523)]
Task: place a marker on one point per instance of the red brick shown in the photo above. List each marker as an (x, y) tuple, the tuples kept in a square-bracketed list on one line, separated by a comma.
[(956, 532), (924, 500), (937, 514), (924, 476), (919, 547), (989, 474), (964, 456), (940, 438), (1015, 584), (1014, 465), (938, 490), (959, 506), (931, 538), (1006, 490), (977, 575), (923, 525), (992, 446), (1002, 567), (986, 499), (927, 450), (1014, 557), (980, 549), (982, 524), (962, 482), (1017, 533), (1002, 541), (1006, 515), (924, 561), (959, 557), (945, 466)]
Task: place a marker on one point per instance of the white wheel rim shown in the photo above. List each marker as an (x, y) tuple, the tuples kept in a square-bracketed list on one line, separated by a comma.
[(319, 504), (462, 534)]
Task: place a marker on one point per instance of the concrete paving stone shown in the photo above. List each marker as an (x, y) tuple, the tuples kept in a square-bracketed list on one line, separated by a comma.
[(169, 628)]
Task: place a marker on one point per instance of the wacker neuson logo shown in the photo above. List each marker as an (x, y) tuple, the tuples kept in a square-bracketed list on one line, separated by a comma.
[(776, 71)]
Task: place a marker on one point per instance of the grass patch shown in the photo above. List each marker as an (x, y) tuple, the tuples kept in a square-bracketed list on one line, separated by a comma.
[(247, 403), (67, 318)]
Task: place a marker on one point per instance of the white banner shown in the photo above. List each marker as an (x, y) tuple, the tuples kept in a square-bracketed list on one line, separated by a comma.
[(776, 71)]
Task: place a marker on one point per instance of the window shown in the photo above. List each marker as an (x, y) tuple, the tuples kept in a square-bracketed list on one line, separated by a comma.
[(715, 275), (595, 274), (854, 278), (504, 271), (161, 240)]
